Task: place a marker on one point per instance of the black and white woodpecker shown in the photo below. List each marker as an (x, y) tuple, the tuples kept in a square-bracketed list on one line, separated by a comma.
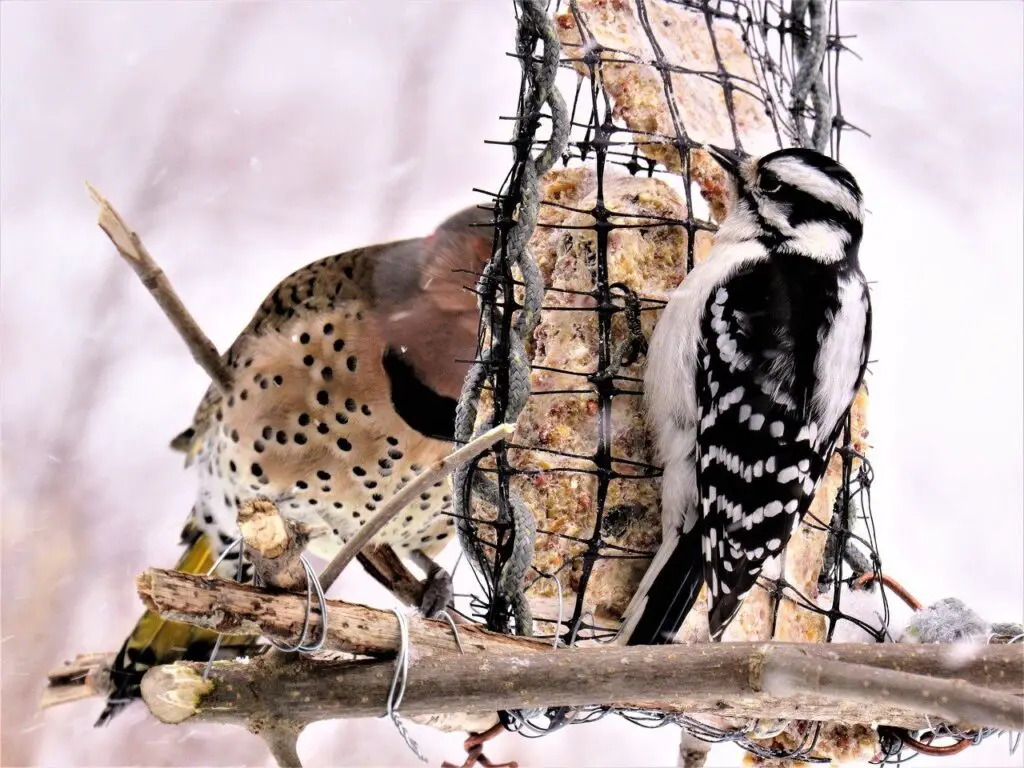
[(752, 369)]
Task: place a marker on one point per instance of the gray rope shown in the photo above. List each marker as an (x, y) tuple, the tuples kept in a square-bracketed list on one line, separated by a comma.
[(508, 588), (810, 76)]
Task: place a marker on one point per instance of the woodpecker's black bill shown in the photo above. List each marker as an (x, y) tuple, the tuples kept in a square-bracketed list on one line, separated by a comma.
[(729, 159)]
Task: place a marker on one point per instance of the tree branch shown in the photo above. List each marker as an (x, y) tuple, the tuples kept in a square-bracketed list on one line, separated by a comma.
[(130, 246), (716, 678), (887, 683), (282, 739)]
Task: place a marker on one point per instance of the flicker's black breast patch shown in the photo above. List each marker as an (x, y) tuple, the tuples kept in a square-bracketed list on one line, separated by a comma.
[(418, 405)]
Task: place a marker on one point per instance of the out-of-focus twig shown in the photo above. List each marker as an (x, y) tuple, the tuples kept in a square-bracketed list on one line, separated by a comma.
[(87, 675), (902, 592), (130, 246)]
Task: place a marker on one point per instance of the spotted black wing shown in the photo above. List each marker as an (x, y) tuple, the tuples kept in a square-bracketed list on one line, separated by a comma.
[(758, 460)]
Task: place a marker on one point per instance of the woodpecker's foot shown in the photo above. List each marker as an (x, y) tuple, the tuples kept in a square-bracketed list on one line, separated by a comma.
[(439, 592)]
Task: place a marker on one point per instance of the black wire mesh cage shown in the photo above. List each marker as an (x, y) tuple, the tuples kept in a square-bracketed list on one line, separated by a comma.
[(611, 200)]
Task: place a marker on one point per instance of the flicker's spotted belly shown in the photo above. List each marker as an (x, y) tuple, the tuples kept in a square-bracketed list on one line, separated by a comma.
[(310, 425)]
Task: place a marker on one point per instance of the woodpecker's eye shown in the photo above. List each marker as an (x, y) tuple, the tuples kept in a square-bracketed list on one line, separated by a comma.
[(769, 182)]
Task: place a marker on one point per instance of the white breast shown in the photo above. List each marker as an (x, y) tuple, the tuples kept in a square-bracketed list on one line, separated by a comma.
[(839, 359)]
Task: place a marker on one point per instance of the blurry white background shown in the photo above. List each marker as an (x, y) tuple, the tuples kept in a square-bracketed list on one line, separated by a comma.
[(244, 140)]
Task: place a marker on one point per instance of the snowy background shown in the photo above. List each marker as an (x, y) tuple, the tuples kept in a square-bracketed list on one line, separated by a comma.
[(245, 140)]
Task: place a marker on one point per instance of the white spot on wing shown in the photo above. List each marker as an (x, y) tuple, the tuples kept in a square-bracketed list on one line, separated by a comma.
[(787, 475)]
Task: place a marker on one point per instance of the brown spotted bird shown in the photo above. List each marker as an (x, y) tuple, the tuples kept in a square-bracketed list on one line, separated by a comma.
[(344, 386)]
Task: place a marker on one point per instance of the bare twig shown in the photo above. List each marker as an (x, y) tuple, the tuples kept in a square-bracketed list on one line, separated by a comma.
[(130, 246), (902, 592), (437, 471), (729, 679), (86, 676), (848, 682), (385, 566), (273, 543)]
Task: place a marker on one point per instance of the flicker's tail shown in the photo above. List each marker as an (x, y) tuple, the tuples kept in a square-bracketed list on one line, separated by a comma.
[(667, 592), (156, 641)]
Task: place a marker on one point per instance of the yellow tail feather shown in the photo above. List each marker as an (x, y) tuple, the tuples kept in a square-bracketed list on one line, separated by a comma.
[(156, 641)]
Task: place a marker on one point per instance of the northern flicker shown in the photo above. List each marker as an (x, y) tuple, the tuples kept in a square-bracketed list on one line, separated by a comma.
[(345, 384)]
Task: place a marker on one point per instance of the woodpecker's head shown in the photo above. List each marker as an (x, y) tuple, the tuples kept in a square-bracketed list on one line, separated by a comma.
[(799, 200)]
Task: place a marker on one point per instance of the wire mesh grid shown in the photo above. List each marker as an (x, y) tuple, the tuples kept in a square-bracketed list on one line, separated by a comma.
[(790, 92)]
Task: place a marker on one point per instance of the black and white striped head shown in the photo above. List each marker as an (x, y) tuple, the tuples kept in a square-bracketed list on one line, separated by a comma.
[(795, 200)]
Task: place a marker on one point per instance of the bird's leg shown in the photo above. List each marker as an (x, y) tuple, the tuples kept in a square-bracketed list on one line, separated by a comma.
[(440, 591)]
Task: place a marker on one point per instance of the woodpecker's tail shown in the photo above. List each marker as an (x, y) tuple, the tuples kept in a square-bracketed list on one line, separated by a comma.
[(667, 592), (156, 641)]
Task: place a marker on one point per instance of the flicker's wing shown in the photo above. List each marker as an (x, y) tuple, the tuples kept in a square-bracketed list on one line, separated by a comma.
[(416, 291)]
